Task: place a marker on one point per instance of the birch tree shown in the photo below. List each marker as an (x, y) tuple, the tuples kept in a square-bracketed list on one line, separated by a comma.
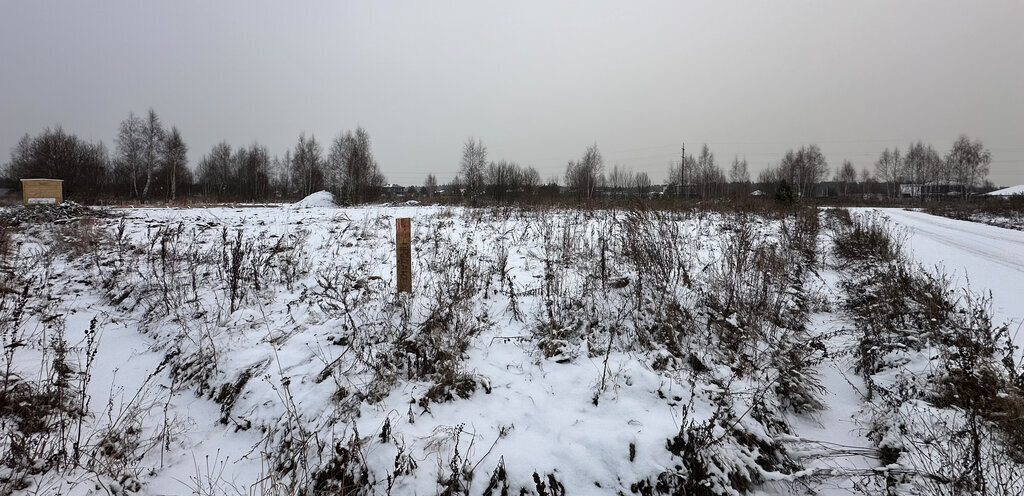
[(969, 162), (472, 165), (152, 142), (128, 161), (174, 161)]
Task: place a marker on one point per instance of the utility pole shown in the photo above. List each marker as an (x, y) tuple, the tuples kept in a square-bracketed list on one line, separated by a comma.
[(682, 171)]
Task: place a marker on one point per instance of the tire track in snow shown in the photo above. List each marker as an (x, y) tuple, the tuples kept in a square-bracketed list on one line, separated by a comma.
[(994, 244)]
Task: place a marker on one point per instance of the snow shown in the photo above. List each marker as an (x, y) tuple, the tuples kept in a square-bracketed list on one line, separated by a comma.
[(534, 414), (834, 440), (319, 199), (979, 258), (539, 414), (1012, 190)]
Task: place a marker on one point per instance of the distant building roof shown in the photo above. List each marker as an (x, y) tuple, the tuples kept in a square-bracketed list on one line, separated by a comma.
[(934, 183), (1012, 190)]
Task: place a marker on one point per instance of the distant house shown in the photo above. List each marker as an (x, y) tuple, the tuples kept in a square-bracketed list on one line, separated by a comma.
[(910, 190), (679, 190), (934, 189), (757, 192), (393, 189)]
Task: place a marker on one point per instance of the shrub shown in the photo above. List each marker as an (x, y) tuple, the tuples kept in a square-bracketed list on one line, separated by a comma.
[(943, 380)]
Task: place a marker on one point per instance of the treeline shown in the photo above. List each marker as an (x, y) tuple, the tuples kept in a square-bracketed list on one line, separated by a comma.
[(920, 172), (150, 163), (55, 154), (505, 180), (501, 180), (801, 173), (249, 173), (966, 164)]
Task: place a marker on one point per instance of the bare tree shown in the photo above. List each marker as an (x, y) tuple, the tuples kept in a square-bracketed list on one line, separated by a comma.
[(307, 165), (456, 186), (674, 179), (739, 175), (641, 184), (353, 172), (865, 180), (501, 178), (682, 175), (130, 145), (619, 180), (174, 162), (530, 180), (815, 168), (707, 170), (922, 167), (471, 168), (56, 154), (334, 165), (251, 168), (430, 185), (769, 178), (768, 175), (804, 169), (969, 162), (152, 142), (280, 176), (790, 169), (216, 171), (888, 168), (584, 175), (845, 176)]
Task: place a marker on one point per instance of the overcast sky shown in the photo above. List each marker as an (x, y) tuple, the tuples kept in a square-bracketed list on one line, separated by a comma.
[(537, 82)]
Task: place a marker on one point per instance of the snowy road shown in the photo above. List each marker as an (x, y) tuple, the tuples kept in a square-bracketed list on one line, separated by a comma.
[(976, 256)]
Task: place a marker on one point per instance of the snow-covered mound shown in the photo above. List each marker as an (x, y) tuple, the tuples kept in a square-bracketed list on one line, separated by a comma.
[(318, 199), (1012, 190)]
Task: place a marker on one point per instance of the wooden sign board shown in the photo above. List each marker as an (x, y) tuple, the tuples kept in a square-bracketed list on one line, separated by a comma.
[(403, 249)]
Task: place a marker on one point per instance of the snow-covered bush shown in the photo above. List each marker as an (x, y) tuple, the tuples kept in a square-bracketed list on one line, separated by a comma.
[(945, 387), (44, 411)]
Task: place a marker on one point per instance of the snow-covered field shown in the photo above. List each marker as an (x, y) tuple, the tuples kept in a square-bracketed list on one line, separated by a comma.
[(265, 351)]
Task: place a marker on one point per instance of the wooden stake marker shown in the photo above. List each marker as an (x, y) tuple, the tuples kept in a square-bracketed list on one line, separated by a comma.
[(403, 248)]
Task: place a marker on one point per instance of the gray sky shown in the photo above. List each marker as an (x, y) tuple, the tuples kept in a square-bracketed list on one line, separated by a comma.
[(537, 82)]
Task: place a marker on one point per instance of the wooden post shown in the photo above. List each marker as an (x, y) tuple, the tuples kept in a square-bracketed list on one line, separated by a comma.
[(403, 249)]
